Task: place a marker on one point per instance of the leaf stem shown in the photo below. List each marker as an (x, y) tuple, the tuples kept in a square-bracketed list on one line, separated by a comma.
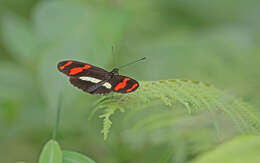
[(54, 134)]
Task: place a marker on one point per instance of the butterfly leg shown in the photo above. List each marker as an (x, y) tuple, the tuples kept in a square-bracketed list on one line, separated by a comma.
[(96, 86)]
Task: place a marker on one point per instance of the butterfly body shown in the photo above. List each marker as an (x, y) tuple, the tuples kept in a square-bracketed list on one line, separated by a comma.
[(96, 80)]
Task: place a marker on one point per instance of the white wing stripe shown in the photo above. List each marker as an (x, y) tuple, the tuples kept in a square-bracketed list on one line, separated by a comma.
[(107, 85), (87, 78), (95, 80)]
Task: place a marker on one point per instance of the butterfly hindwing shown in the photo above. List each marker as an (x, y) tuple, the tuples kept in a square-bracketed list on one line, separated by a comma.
[(123, 84), (84, 85)]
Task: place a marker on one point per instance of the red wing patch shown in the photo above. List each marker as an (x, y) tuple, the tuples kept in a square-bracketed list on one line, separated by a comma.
[(132, 88), (77, 70), (122, 84), (66, 64)]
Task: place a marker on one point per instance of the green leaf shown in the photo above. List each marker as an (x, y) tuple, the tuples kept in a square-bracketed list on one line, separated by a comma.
[(239, 150), (51, 153), (74, 157)]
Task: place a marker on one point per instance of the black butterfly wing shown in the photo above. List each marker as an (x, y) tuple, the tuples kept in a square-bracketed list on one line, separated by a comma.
[(123, 84), (77, 69), (84, 85), (84, 76), (117, 83), (96, 80)]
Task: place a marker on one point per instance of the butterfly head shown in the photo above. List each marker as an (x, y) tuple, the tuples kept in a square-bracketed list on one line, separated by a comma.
[(115, 71)]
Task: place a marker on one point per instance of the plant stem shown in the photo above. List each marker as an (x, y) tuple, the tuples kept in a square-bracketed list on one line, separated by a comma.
[(57, 117)]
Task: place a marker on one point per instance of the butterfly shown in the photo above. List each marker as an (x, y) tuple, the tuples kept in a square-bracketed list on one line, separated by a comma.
[(95, 80)]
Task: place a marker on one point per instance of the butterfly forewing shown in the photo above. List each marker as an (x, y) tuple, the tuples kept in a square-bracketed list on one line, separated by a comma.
[(77, 69)]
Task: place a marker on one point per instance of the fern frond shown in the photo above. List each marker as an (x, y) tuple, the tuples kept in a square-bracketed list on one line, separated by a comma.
[(193, 95)]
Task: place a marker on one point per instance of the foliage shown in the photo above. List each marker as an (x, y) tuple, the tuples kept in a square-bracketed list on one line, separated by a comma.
[(195, 96), (214, 42), (73, 157), (52, 153), (246, 147)]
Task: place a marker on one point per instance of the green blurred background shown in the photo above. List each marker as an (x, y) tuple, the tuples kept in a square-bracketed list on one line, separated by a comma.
[(212, 41)]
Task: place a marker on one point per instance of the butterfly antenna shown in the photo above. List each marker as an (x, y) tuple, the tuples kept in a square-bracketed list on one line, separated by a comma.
[(114, 55), (132, 62)]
